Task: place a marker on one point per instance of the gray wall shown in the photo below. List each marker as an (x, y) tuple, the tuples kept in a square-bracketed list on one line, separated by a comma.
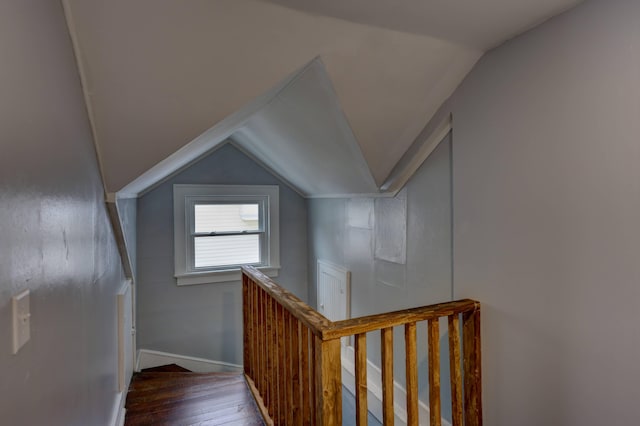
[(546, 172), (338, 233), (55, 238), (206, 320), (546, 184)]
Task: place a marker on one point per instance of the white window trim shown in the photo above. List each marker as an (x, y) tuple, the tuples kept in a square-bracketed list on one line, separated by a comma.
[(182, 193)]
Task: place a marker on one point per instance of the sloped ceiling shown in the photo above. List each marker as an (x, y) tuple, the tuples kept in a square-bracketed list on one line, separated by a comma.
[(159, 73), (308, 110), (297, 130), (481, 24)]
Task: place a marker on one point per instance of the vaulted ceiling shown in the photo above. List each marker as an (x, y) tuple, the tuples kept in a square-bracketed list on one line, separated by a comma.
[(159, 73)]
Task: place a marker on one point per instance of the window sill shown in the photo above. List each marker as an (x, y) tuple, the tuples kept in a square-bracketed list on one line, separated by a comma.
[(224, 276)]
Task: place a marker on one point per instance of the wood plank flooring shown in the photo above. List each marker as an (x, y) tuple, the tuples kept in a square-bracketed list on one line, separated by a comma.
[(169, 396)]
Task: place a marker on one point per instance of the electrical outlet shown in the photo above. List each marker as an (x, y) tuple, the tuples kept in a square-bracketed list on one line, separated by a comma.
[(21, 320)]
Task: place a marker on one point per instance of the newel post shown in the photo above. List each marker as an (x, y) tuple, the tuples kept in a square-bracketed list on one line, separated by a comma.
[(472, 367), (328, 382)]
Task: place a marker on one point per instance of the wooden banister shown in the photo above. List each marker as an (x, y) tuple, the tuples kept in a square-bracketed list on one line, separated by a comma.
[(455, 375), (433, 325), (312, 319), (362, 412), (386, 337), (292, 358), (411, 371), (369, 323)]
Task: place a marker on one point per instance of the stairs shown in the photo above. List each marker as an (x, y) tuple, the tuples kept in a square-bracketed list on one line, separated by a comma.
[(172, 395)]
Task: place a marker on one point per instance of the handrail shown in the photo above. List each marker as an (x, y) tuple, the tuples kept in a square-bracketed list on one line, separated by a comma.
[(319, 325), (374, 322), (314, 320), (292, 357)]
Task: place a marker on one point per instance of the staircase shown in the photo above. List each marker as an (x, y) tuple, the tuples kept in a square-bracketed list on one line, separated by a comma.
[(292, 361), (172, 395)]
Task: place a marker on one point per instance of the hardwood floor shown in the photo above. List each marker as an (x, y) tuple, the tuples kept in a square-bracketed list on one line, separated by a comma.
[(172, 396)]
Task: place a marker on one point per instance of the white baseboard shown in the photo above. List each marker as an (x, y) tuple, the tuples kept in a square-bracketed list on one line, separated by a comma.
[(117, 417), (148, 359), (374, 394)]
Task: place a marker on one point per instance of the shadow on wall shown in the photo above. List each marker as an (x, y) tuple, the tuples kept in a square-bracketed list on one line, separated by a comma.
[(229, 334)]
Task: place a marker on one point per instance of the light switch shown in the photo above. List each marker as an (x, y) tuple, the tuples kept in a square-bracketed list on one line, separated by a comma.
[(21, 320)]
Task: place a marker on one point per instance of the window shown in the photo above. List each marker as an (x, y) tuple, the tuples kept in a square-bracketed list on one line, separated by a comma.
[(218, 228)]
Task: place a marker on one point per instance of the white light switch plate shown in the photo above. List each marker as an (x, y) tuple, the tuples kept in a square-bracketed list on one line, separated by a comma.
[(21, 320)]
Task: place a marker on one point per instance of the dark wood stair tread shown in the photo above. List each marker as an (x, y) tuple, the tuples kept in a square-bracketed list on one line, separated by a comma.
[(167, 397), (170, 368)]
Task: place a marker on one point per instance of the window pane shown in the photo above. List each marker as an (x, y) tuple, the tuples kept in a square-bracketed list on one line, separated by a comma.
[(226, 250), (226, 217)]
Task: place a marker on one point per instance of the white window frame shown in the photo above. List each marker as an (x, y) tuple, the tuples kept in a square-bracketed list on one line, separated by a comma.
[(184, 199)]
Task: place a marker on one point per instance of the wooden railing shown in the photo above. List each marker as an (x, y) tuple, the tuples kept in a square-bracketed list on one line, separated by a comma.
[(292, 358)]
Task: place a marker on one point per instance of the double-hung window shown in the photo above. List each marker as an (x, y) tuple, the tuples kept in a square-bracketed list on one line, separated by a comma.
[(218, 228)]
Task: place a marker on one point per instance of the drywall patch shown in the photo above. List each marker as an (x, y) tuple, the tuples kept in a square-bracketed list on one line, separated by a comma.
[(390, 273), (391, 228), (360, 213)]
